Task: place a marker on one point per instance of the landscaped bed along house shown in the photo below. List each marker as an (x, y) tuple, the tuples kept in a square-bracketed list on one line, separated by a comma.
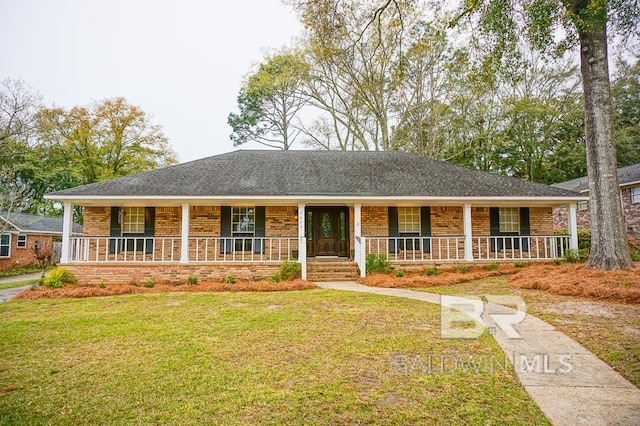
[(245, 212)]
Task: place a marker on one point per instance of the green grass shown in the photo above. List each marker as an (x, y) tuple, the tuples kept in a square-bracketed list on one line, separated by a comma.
[(19, 271), (18, 284), (610, 330), (313, 357)]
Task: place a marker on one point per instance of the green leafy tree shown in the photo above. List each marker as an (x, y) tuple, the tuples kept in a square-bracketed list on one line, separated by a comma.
[(625, 92), (106, 140), (584, 23), (269, 102)]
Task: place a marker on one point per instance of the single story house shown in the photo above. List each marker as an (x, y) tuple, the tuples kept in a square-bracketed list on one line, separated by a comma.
[(245, 212), (20, 232), (629, 181)]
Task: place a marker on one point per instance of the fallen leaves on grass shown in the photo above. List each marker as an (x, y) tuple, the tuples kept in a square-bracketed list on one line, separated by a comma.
[(576, 280), (443, 278), (80, 291)]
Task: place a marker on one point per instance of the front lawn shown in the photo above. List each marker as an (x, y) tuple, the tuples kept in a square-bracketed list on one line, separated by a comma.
[(311, 357)]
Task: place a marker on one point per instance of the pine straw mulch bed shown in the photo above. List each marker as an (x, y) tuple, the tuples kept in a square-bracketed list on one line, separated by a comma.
[(567, 279), (573, 279), (444, 277), (80, 291)]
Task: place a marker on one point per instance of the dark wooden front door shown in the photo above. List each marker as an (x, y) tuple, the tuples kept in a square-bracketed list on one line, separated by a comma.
[(329, 232)]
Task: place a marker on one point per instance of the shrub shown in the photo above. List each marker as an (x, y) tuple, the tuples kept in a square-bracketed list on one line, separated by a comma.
[(102, 285), (230, 279), (377, 263), (462, 269), (431, 271), (558, 262), (276, 278), (399, 274), (573, 255), (192, 279), (491, 267), (290, 270), (584, 238), (59, 277), (519, 264), (149, 283), (634, 248)]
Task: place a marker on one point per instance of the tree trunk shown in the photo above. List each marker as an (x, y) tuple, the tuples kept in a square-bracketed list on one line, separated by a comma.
[(609, 249)]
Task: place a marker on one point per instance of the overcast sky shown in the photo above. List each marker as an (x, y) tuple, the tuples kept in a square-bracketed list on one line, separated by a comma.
[(180, 61)]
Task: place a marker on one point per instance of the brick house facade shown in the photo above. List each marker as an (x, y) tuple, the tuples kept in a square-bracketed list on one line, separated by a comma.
[(629, 180), (20, 232), (255, 209)]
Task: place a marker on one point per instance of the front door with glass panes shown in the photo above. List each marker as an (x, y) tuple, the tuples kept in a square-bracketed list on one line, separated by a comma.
[(327, 231)]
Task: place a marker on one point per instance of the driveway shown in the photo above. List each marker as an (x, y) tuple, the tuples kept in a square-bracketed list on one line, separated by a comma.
[(9, 293)]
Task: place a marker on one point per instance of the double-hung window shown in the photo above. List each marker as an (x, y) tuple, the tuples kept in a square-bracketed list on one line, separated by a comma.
[(243, 227), (22, 241), (133, 220), (509, 219), (409, 226), (5, 245), (635, 195)]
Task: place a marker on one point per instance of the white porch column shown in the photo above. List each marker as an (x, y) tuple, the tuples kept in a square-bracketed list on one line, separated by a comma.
[(357, 236), (573, 226), (67, 227), (184, 235), (302, 241), (468, 233)]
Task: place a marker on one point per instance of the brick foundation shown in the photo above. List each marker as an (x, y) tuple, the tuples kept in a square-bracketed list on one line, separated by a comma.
[(96, 273)]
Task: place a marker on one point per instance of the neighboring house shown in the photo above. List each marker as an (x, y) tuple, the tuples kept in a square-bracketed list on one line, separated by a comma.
[(20, 232), (629, 180), (245, 212)]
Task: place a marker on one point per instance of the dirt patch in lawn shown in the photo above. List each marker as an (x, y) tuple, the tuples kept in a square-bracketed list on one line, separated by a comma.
[(444, 277), (80, 291), (576, 280)]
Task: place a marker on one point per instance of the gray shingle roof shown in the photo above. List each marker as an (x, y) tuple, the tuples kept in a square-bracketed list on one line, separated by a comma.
[(626, 175), (23, 222), (321, 173)]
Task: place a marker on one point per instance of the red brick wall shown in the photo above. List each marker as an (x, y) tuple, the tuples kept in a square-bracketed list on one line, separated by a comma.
[(97, 221), (375, 221), (631, 215), (20, 257), (446, 221)]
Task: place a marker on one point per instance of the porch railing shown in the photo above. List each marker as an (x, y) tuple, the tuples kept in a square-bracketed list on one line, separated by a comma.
[(414, 249), (168, 249), (493, 248), (521, 248), (124, 249), (231, 249)]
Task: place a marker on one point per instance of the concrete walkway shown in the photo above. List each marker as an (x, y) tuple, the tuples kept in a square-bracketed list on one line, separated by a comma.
[(570, 384), (7, 294)]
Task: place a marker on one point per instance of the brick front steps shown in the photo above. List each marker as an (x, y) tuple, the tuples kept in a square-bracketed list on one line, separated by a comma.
[(331, 269)]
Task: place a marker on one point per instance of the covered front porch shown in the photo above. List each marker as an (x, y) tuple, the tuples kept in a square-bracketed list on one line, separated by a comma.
[(267, 232)]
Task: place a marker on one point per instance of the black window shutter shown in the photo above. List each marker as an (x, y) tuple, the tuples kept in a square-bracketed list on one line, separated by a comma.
[(494, 222), (149, 227), (393, 228), (425, 228), (260, 228), (525, 226), (114, 229), (225, 228)]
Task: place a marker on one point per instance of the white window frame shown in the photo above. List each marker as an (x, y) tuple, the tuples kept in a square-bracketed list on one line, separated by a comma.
[(409, 220), (21, 241), (7, 245), (243, 221), (583, 206), (635, 195), (133, 220), (509, 218)]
